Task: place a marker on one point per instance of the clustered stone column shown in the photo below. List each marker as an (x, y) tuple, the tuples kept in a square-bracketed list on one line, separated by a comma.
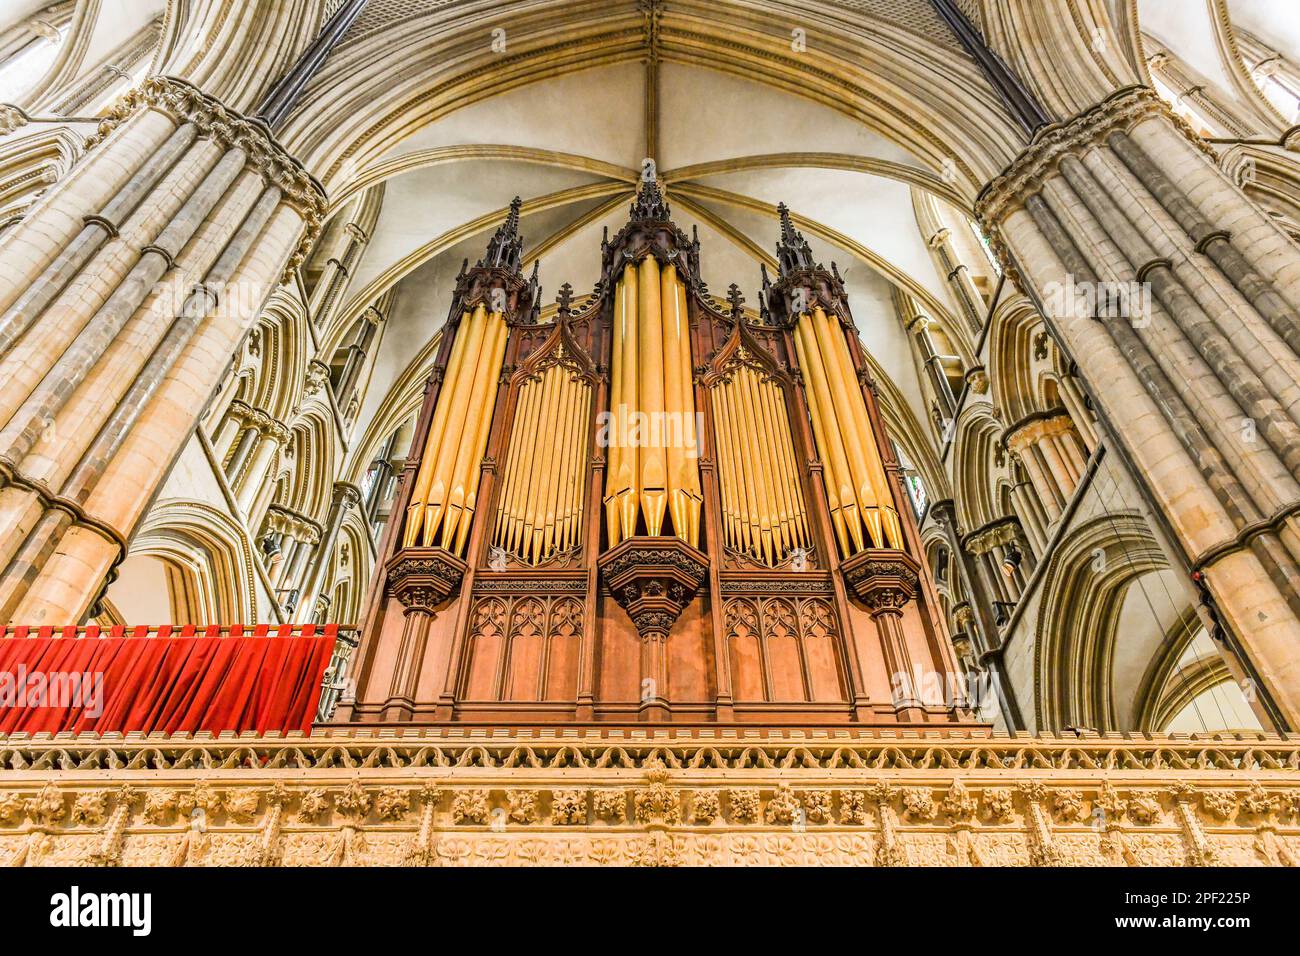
[(959, 280), (1198, 371), (123, 294), (289, 541), (1053, 456), (247, 443)]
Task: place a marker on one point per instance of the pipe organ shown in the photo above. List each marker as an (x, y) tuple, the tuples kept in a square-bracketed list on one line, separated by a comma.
[(650, 506)]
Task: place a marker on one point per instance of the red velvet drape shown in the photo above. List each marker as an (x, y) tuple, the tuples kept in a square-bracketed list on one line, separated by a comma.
[(170, 679)]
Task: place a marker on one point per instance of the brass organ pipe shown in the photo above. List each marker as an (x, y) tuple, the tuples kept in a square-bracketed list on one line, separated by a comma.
[(843, 514), (477, 450), (560, 496), (722, 437), (573, 520), (428, 459), (526, 433), (560, 462), (512, 465), (675, 399), (867, 494), (756, 465), (893, 536), (628, 486), (580, 391), (533, 514), (653, 484), (478, 417), (614, 450), (750, 532), (460, 399), (781, 426), (690, 477), (734, 482), (776, 467), (544, 475)]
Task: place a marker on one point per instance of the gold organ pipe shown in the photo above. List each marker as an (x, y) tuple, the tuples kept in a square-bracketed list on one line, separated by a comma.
[(475, 463), (653, 483), (839, 491), (614, 449), (437, 428), (573, 519), (851, 441), (785, 447), (776, 468), (560, 497), (508, 482), (756, 466), (690, 478), (751, 534), (627, 481), (893, 532), (469, 450), (655, 474), (560, 463), (443, 460), (526, 433), (532, 517), (726, 468)]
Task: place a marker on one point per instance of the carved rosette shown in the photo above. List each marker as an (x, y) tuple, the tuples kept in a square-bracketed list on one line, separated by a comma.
[(423, 578), (653, 579), (881, 579)]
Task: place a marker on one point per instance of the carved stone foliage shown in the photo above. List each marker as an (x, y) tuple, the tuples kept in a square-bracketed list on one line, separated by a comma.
[(653, 579), (376, 802), (776, 642), (188, 104)]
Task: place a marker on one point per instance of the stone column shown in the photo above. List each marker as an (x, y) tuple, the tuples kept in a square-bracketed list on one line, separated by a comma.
[(345, 497), (1196, 372), (963, 287), (124, 293), (981, 604)]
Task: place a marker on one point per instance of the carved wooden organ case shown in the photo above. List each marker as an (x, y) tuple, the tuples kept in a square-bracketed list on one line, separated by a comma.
[(650, 508)]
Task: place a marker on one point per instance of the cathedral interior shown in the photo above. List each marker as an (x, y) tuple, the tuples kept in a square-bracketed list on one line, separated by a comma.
[(593, 415)]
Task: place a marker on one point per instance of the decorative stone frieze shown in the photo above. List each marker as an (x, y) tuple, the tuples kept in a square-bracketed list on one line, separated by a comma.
[(445, 797)]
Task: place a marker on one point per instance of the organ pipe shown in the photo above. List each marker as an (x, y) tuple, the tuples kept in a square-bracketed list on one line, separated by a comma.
[(857, 489), (653, 471), (444, 498), (762, 507), (539, 512)]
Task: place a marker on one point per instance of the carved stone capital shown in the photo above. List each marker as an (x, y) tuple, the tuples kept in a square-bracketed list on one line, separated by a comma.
[(883, 580), (423, 578), (188, 104), (653, 579)]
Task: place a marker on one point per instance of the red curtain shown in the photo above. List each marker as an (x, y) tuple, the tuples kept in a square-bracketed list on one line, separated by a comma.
[(168, 679)]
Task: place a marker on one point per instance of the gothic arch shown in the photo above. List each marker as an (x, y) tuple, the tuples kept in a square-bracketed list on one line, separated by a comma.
[(206, 562), (1084, 588)]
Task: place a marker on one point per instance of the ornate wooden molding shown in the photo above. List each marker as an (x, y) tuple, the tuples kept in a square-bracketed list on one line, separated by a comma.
[(422, 578), (653, 579)]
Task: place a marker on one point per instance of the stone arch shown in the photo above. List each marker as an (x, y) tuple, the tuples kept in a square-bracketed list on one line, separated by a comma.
[(201, 558), (1085, 586)]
